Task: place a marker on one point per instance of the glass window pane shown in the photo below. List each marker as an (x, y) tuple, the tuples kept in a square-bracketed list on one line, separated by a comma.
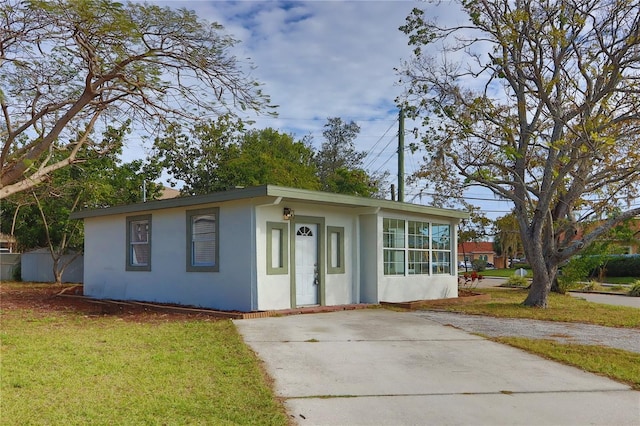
[(418, 262), (204, 253), (418, 235), (441, 262), (139, 231), (394, 262), (140, 255), (203, 240), (335, 250), (393, 233), (441, 237), (276, 248)]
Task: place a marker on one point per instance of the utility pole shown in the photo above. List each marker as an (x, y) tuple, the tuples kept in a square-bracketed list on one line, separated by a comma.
[(401, 156)]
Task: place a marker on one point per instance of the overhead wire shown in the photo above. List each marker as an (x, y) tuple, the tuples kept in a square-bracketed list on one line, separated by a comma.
[(370, 163)]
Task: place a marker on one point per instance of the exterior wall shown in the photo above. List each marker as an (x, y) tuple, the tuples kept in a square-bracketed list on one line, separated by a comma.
[(274, 291), (245, 281), (397, 288), (370, 257), (168, 281)]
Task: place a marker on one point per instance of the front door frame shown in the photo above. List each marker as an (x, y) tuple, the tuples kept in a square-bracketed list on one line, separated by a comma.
[(321, 256)]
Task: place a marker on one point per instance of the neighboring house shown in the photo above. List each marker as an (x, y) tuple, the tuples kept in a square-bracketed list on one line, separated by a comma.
[(631, 246), (269, 248), (7, 243), (167, 193), (470, 251)]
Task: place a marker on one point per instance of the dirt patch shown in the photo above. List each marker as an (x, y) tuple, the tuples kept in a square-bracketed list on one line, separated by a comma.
[(48, 298)]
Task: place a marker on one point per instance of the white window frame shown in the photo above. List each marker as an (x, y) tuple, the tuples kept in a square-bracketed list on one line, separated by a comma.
[(394, 245), (441, 250), (416, 247)]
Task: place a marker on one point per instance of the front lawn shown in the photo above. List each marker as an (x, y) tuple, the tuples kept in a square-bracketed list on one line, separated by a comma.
[(507, 303), (76, 369)]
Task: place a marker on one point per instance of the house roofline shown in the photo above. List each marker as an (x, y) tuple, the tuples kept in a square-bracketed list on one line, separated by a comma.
[(289, 194)]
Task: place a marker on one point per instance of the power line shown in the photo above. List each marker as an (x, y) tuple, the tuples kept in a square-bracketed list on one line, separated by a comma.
[(374, 159), (376, 144)]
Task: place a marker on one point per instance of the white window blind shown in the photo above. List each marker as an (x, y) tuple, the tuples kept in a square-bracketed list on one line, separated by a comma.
[(203, 240)]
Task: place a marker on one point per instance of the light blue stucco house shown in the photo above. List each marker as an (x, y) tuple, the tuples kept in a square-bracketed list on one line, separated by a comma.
[(269, 248)]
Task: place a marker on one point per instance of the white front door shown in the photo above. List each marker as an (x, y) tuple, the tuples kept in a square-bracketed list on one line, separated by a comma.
[(306, 254)]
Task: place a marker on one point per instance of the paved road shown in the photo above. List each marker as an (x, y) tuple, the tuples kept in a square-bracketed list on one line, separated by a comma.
[(379, 367), (609, 299)]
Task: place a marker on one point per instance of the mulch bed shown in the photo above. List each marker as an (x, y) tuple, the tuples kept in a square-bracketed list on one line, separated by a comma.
[(464, 296), (47, 298)]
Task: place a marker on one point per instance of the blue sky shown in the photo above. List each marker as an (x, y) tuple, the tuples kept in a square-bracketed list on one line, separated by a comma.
[(320, 59)]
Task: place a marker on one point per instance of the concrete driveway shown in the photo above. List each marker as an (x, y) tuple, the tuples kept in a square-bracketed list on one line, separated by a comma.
[(379, 367)]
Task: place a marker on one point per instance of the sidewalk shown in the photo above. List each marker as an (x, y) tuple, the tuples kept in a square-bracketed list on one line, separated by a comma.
[(375, 366)]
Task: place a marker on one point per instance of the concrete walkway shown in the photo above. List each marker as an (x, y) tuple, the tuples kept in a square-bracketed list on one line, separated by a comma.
[(379, 367)]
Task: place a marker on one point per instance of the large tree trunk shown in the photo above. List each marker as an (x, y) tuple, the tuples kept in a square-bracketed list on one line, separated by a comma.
[(544, 268), (544, 275)]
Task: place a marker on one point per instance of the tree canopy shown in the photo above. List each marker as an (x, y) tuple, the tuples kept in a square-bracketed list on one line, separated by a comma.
[(68, 67), (40, 217), (339, 164), (539, 101), (221, 154)]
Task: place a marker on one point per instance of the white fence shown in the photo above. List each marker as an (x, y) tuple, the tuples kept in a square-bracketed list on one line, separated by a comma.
[(37, 266), (9, 262)]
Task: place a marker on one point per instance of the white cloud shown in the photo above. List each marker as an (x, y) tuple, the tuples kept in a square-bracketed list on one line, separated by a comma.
[(320, 59)]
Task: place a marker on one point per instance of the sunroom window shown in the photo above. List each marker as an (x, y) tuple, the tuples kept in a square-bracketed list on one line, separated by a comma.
[(416, 247)]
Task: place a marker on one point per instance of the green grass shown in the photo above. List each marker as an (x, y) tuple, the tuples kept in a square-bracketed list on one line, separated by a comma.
[(507, 303), (623, 366), (76, 370), (506, 273), (621, 280), (503, 273), (616, 364)]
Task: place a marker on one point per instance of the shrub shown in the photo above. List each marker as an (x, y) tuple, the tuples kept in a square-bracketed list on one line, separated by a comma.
[(577, 270), (622, 266), (517, 281), (479, 265), (635, 289)]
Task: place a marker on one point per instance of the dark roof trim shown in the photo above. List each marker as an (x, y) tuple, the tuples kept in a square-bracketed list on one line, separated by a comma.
[(292, 194)]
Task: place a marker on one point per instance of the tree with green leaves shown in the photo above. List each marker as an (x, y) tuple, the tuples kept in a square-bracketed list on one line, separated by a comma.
[(219, 155), (196, 157), (270, 157), (70, 67), (40, 217), (339, 164), (538, 101), (507, 239)]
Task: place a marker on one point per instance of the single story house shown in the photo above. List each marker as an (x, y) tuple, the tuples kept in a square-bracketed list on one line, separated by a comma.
[(482, 250), (269, 248)]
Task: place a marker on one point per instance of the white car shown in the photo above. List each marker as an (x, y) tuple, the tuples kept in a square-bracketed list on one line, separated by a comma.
[(467, 264)]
